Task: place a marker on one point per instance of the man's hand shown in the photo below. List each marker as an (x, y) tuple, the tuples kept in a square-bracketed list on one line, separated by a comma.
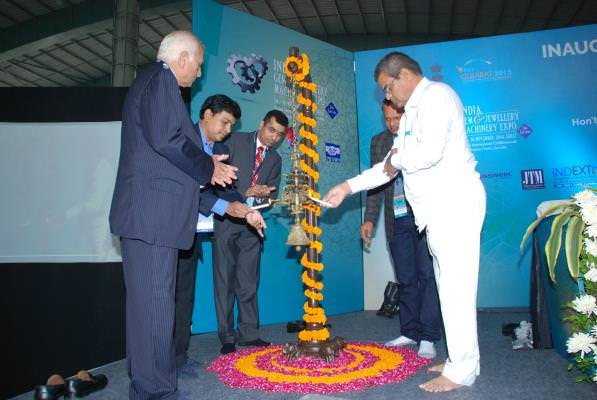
[(238, 209), (259, 191), (223, 174), (367, 232), (337, 194), (388, 168), (255, 219)]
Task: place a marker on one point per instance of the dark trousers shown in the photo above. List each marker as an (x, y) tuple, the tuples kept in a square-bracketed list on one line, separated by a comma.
[(236, 256), (149, 274), (420, 317), (186, 274)]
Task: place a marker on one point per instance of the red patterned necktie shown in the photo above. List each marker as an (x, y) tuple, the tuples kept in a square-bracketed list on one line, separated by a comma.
[(258, 161)]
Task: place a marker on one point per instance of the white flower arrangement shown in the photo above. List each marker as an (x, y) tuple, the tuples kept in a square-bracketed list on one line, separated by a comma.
[(579, 214)]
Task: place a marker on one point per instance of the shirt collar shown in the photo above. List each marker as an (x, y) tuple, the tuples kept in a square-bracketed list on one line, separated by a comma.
[(207, 146), (258, 143), (416, 95)]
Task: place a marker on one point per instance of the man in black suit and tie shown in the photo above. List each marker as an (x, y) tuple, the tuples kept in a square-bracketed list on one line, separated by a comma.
[(236, 246), (154, 207), (217, 116)]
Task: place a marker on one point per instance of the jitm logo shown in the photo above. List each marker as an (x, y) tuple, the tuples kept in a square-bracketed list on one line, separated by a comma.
[(532, 179), (576, 48)]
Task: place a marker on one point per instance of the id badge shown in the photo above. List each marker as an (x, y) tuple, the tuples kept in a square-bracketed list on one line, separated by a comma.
[(400, 209), (205, 224)]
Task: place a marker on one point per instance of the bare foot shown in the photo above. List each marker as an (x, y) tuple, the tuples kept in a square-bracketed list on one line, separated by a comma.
[(438, 368), (439, 384)]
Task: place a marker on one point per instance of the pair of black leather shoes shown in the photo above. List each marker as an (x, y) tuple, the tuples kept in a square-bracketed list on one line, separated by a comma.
[(81, 385)]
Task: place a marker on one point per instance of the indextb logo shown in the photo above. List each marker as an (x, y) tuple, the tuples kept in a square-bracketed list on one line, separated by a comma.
[(532, 179)]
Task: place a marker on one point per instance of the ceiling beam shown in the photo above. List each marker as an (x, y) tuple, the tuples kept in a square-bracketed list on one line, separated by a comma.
[(362, 17), (580, 6), (242, 3), (68, 64), (452, 13), (429, 6), (38, 64), (32, 72), (169, 22), (18, 78), (499, 18), (475, 16), (340, 17), (325, 31), (95, 53), (554, 7), (184, 14), (298, 18), (406, 25), (271, 11), (23, 9), (46, 6), (383, 16), (9, 18), (525, 17)]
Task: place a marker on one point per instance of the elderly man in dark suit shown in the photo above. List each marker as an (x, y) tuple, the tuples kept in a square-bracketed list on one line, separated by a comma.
[(237, 247), (420, 317), (217, 116), (154, 207)]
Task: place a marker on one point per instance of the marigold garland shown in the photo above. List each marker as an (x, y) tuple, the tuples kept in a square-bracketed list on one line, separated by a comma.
[(309, 264), (308, 135), (310, 282), (314, 315), (318, 335)]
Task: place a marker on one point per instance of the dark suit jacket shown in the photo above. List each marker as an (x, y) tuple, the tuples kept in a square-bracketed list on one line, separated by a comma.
[(162, 164), (380, 145), (242, 155)]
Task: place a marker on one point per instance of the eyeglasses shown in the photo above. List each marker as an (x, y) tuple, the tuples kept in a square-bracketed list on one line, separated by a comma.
[(388, 85)]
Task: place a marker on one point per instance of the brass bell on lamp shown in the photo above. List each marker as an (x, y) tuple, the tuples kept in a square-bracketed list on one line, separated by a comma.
[(297, 236)]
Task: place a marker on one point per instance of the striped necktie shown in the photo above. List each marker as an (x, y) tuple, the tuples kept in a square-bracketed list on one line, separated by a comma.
[(258, 161)]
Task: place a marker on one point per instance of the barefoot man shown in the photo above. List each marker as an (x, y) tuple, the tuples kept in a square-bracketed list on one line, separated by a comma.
[(447, 198)]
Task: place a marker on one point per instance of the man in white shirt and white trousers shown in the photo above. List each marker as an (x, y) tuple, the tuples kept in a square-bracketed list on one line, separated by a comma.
[(447, 198)]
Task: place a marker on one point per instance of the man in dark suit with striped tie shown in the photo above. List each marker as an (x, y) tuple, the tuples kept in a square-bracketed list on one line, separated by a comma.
[(154, 208), (236, 246)]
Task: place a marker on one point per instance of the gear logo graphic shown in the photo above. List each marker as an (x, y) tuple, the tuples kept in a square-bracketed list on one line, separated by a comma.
[(247, 72)]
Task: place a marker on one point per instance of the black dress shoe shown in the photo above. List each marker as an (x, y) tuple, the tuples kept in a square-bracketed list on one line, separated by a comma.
[(85, 383), (50, 392), (227, 348), (256, 343)]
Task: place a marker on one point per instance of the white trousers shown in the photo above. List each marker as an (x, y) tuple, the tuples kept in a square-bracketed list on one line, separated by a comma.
[(454, 243)]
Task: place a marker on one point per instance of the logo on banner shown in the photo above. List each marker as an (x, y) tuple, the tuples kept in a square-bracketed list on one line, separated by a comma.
[(476, 69), (525, 131), (576, 48), (331, 110), (491, 129), (532, 179), (332, 152), (574, 175), (436, 73), (247, 72)]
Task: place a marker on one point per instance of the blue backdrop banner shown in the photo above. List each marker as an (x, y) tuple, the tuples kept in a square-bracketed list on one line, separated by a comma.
[(244, 59), (530, 104)]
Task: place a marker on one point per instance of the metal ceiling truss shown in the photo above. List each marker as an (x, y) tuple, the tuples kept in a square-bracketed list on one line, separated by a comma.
[(46, 42)]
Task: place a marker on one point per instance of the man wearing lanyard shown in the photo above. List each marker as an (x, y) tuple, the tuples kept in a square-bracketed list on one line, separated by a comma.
[(236, 247), (218, 115), (420, 318)]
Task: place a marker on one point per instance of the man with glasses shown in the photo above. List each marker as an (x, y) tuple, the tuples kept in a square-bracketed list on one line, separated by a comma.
[(447, 198), (420, 318)]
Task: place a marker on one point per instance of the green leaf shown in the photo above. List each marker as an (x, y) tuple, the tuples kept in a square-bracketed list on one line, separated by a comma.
[(546, 213), (554, 242), (574, 244)]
